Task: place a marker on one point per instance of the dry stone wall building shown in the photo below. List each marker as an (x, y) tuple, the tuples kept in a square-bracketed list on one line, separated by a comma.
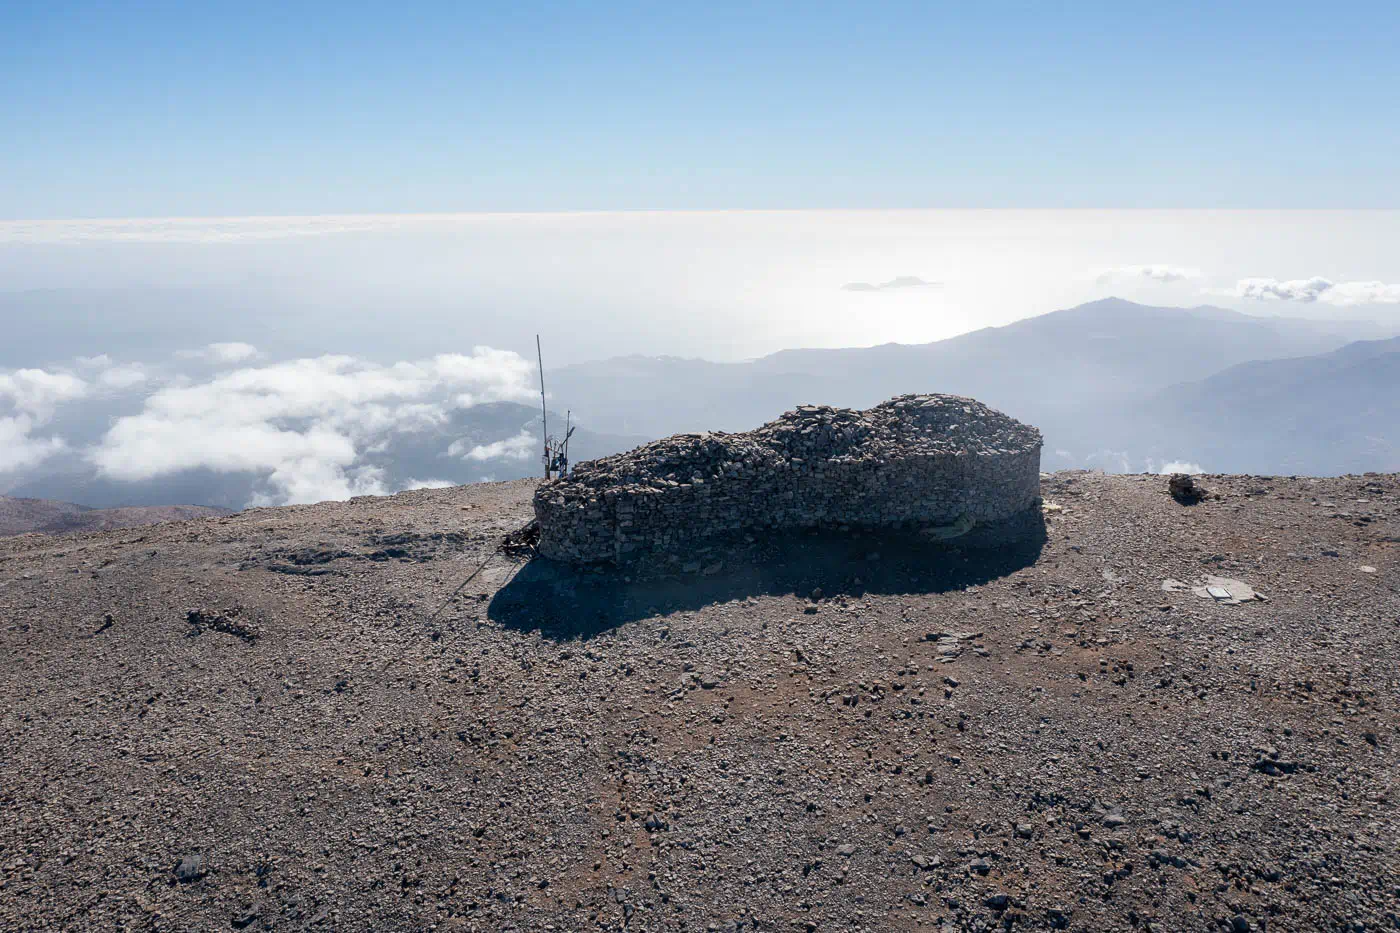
[(915, 460)]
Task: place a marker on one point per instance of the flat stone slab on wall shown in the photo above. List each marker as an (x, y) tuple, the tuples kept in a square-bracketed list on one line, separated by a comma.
[(915, 460)]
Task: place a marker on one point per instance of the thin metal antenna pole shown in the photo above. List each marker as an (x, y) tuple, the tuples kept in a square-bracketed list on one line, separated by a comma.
[(568, 420), (544, 411)]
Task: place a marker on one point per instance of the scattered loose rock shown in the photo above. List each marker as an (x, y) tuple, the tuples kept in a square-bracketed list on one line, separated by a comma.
[(191, 867), (948, 744)]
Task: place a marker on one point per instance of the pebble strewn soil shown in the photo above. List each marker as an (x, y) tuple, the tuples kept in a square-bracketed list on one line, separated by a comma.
[(257, 722)]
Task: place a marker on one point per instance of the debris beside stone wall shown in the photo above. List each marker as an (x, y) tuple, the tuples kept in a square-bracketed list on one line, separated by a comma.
[(917, 460)]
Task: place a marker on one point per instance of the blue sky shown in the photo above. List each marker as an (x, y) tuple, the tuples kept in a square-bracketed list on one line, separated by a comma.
[(201, 109)]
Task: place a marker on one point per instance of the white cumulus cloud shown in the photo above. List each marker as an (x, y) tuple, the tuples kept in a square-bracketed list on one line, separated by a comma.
[(303, 426), (222, 353), (109, 374), (38, 391), (519, 447), (121, 377), (429, 484), (19, 449), (1179, 466), (28, 399), (1316, 289), (899, 281), (1159, 272)]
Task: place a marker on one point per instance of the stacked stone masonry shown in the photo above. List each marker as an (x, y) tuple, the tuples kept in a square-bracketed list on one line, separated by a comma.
[(915, 460)]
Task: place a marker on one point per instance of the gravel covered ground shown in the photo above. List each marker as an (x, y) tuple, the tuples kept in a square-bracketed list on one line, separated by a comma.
[(256, 722)]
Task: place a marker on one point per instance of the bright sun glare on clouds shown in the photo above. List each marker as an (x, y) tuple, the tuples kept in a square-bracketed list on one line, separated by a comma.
[(728, 285)]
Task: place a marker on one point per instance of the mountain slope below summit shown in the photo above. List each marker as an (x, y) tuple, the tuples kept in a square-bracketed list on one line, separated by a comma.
[(1326, 414), (47, 516)]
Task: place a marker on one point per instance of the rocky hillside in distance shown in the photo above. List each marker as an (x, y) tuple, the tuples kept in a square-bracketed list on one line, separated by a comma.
[(47, 516), (1055, 371), (1092, 378), (1336, 412)]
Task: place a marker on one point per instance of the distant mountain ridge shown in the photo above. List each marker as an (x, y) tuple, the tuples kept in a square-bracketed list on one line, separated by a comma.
[(1091, 377), (1336, 412), (46, 516)]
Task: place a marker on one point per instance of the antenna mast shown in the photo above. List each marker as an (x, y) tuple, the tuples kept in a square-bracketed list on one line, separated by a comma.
[(568, 433), (544, 411)]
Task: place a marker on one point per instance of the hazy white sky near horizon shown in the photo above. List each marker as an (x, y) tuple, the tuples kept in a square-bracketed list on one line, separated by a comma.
[(720, 285)]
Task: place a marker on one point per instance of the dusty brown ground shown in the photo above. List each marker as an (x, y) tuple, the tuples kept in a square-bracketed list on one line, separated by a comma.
[(252, 723)]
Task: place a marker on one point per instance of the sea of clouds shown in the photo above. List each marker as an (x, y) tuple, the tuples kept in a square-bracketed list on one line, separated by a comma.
[(301, 427)]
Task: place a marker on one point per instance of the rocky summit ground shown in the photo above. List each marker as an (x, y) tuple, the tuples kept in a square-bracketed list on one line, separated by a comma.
[(257, 722)]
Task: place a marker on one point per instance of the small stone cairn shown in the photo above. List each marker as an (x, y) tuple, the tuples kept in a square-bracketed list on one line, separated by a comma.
[(915, 460), (1185, 489)]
